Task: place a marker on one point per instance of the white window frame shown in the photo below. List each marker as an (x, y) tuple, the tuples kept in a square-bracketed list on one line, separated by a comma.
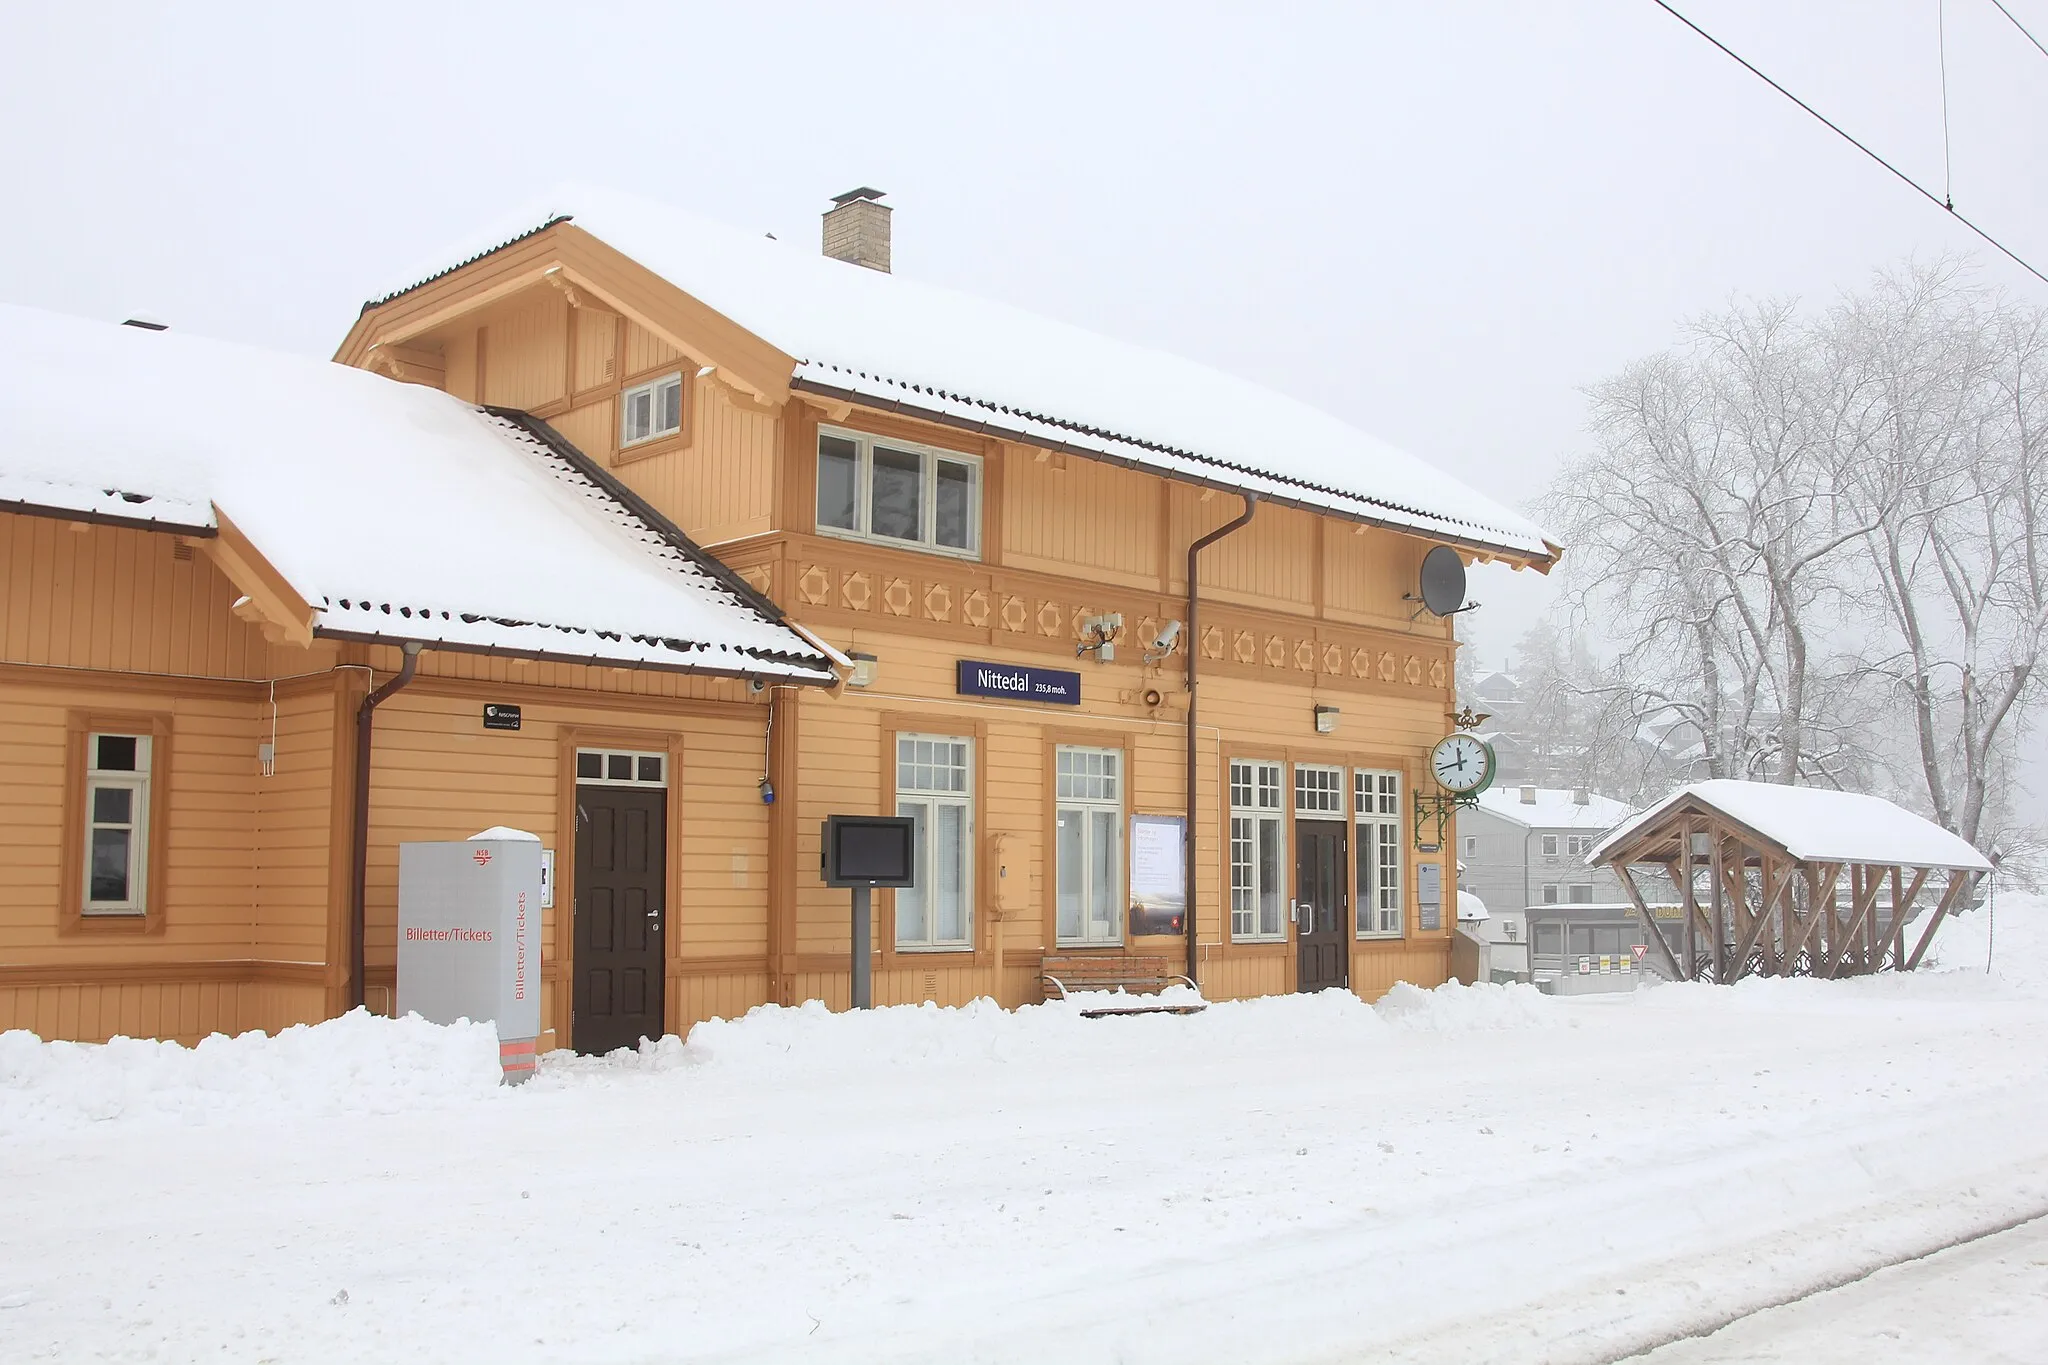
[(634, 766), (928, 495), (1578, 845), (652, 391), (955, 793), (1258, 797), (1550, 893), (1380, 845), (1319, 792), (1471, 846), (1550, 845), (1086, 795), (135, 781), (1573, 896)]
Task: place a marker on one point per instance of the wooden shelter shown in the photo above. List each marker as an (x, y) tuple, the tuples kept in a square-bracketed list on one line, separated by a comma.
[(1788, 881)]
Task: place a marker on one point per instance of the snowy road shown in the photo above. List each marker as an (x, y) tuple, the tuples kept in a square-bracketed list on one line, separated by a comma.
[(1456, 1175), (1975, 1304)]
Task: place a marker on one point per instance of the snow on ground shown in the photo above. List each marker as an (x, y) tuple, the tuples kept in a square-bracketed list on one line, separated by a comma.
[(1460, 1174), (1975, 1304)]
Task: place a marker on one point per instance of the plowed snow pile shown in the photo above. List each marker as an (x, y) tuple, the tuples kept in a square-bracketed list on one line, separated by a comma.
[(1456, 1174)]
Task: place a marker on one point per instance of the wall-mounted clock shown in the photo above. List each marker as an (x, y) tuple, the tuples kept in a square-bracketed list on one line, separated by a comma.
[(1462, 764)]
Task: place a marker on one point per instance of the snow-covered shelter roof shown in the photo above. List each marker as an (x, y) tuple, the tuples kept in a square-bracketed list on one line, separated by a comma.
[(395, 511), (1554, 808), (866, 336), (1813, 824)]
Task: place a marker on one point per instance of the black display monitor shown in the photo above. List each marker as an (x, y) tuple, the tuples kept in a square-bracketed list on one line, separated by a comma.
[(869, 850)]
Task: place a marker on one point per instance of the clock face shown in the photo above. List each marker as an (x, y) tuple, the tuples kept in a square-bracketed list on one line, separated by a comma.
[(1461, 764)]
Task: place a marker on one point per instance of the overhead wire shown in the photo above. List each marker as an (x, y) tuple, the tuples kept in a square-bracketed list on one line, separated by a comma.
[(1948, 188), (2020, 26), (1843, 133)]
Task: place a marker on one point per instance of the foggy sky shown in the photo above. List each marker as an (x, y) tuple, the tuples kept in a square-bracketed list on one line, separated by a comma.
[(1439, 221)]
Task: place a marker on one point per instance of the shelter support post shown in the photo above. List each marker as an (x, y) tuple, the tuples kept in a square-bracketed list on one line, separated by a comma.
[(1958, 884), (1656, 935)]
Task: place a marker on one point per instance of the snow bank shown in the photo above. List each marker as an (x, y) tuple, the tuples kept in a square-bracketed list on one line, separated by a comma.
[(1457, 1008), (359, 1063), (2011, 934)]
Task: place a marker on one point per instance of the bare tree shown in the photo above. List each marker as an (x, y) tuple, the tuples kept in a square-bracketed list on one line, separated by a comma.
[(1947, 442)]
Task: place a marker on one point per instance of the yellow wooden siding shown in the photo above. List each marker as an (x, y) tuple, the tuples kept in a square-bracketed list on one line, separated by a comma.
[(1067, 514), (592, 428), (108, 597), (458, 359), (721, 486), (525, 350), (595, 337), (646, 351), (293, 838)]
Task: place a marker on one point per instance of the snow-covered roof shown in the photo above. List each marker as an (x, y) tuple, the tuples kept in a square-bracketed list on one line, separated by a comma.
[(1554, 808), (882, 339), (1817, 825), (396, 511)]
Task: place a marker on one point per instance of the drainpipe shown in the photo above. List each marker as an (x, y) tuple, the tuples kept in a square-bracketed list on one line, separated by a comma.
[(360, 826), (1194, 638)]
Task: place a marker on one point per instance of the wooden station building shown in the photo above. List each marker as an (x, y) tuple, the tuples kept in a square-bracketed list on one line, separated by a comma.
[(739, 535)]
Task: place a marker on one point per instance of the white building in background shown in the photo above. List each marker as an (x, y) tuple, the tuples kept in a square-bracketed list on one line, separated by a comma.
[(1523, 847)]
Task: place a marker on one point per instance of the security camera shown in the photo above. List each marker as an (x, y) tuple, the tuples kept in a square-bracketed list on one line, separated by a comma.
[(756, 686), (1168, 633)]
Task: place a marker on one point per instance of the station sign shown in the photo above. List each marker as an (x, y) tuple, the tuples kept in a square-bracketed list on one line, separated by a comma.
[(1015, 682)]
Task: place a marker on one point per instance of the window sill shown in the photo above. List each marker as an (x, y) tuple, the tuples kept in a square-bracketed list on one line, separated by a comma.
[(909, 547), (649, 448), (929, 949), (1085, 945), (1249, 939), (1380, 938)]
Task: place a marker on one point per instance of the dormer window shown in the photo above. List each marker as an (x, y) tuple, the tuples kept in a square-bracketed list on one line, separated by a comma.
[(898, 493), (651, 410)]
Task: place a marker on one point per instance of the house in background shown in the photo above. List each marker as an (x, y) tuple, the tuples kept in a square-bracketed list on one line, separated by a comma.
[(210, 556), (996, 516), (1525, 846)]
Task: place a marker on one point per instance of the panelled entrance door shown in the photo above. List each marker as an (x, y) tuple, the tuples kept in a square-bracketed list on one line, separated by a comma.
[(1321, 942), (621, 871)]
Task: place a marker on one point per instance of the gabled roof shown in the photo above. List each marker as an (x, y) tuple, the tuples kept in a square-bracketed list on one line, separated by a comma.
[(878, 339), (1813, 824), (394, 511), (1554, 808)]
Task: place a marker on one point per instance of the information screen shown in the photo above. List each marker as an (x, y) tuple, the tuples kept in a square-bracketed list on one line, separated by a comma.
[(869, 850)]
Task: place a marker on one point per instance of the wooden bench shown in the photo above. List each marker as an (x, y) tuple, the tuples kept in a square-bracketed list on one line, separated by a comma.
[(1064, 974)]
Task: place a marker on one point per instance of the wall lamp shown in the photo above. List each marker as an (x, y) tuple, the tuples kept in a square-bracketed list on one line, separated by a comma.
[(1326, 720)]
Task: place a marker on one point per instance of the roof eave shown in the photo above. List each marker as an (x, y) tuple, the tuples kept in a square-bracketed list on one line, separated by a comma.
[(788, 673)]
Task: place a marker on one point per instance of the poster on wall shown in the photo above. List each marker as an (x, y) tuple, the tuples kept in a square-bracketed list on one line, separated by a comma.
[(1159, 898)]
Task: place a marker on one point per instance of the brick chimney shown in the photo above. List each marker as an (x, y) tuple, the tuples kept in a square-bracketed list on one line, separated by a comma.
[(857, 229), (1582, 796), (1528, 796)]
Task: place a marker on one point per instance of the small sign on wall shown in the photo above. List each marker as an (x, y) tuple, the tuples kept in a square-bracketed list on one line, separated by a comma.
[(499, 716), (1429, 894), (1159, 899)]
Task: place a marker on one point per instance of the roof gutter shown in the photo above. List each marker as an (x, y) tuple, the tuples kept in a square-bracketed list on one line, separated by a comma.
[(1194, 639), (800, 384), (359, 823)]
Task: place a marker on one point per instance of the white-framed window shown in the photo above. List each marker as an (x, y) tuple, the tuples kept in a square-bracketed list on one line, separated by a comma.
[(1578, 845), (1380, 852), (1471, 846), (621, 768), (116, 824), (1550, 845), (650, 410), (1088, 791), (1318, 790), (1579, 894), (1550, 893), (1258, 852), (898, 493), (935, 788)]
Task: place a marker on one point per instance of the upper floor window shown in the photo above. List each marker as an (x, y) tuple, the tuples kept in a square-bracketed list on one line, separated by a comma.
[(650, 410), (1550, 845), (1578, 845), (898, 493)]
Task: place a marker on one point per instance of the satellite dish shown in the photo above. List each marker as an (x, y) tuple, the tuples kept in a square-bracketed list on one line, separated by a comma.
[(1443, 581)]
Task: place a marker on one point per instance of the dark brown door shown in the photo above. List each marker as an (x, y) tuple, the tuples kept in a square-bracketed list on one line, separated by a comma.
[(621, 869), (1321, 943)]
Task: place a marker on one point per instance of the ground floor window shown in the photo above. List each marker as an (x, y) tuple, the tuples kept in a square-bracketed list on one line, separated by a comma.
[(1380, 852), (1258, 852), (1088, 787), (116, 824), (934, 788)]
